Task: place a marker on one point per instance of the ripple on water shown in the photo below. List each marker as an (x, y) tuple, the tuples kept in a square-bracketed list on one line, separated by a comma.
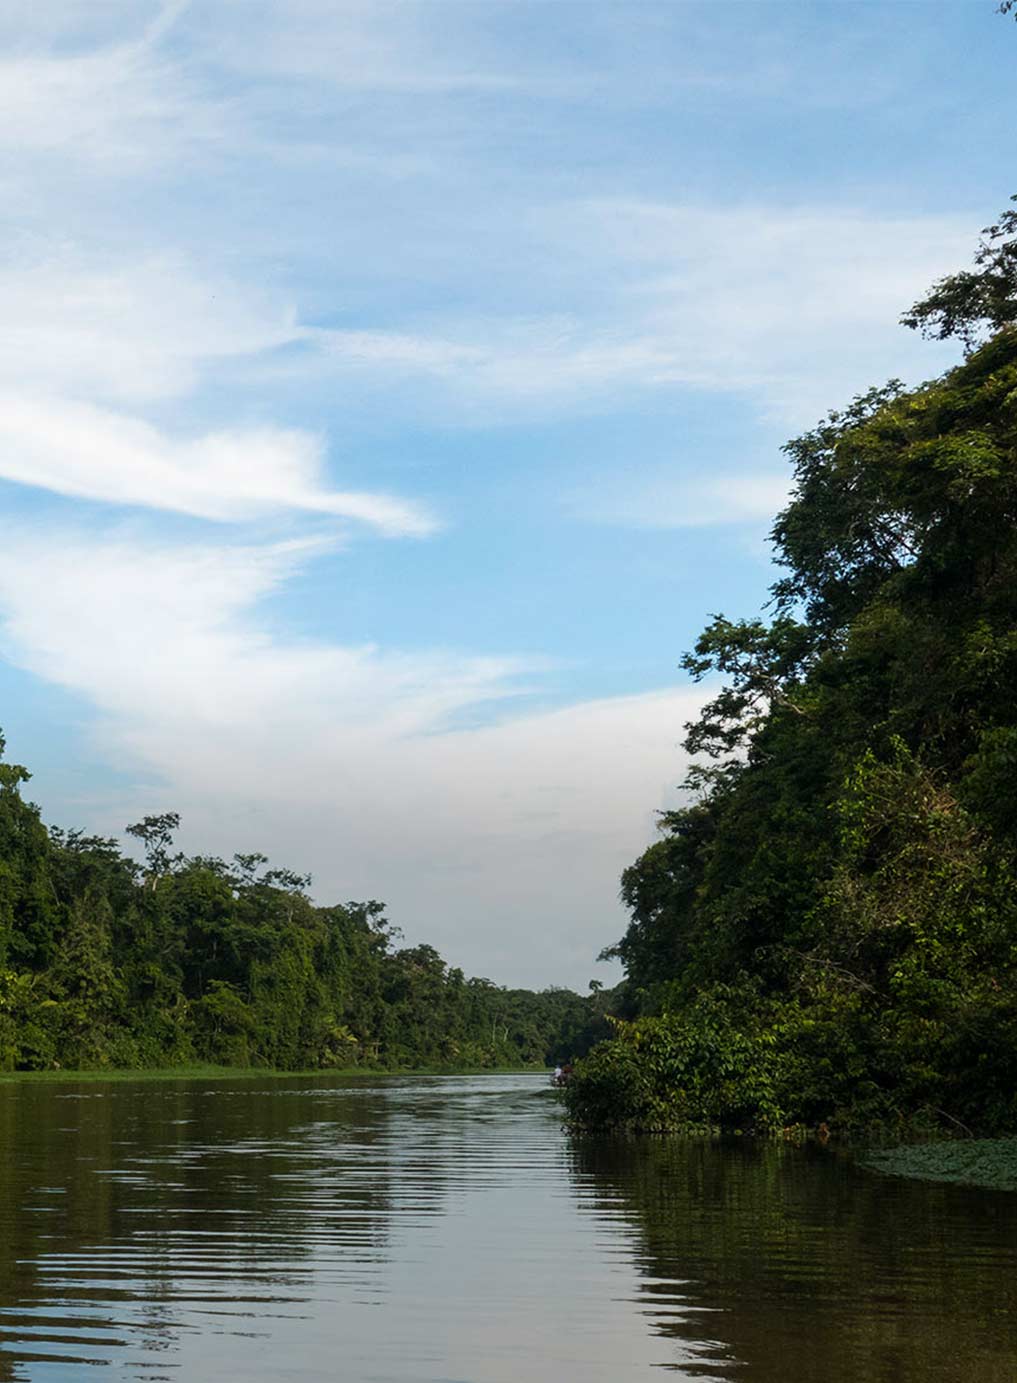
[(446, 1229)]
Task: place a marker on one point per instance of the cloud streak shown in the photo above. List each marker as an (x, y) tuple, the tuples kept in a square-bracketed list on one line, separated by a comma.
[(229, 476), (120, 106), (143, 328), (794, 309)]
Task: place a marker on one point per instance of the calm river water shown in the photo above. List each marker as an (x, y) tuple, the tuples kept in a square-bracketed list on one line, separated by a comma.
[(446, 1229)]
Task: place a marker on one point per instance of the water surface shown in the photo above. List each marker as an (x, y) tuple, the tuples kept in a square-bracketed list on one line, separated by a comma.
[(445, 1229)]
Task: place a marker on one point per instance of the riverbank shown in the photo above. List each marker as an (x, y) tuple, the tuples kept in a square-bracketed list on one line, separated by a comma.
[(990, 1163), (259, 1073)]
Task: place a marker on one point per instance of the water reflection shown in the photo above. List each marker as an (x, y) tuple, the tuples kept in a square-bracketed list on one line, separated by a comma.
[(446, 1230), (134, 1216), (802, 1266)]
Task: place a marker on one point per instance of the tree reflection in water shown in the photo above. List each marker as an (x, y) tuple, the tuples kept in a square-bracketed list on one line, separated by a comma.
[(807, 1267)]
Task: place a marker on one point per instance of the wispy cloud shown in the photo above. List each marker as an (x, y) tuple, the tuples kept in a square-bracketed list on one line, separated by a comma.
[(230, 475), (792, 309), (118, 106), (80, 336), (137, 328), (361, 44), (185, 648)]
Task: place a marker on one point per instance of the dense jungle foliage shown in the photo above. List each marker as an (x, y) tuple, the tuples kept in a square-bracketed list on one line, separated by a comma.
[(828, 932), (108, 963)]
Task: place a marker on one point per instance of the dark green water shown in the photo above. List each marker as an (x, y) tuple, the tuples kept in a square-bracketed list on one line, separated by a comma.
[(445, 1229)]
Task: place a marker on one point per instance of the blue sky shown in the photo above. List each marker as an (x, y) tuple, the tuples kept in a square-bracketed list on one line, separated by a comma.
[(391, 392)]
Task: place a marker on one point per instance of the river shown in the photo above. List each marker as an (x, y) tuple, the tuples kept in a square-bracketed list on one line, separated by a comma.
[(445, 1229)]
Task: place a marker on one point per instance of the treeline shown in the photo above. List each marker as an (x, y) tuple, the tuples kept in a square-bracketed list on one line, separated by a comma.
[(828, 932), (108, 963)]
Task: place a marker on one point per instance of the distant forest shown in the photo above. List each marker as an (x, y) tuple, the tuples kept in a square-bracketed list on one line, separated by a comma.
[(105, 962), (827, 933)]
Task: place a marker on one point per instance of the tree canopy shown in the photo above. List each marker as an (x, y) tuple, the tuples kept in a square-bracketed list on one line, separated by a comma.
[(105, 962), (975, 302), (828, 931)]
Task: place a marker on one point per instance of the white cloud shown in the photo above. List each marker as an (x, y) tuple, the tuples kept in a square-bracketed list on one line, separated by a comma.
[(141, 333), (122, 106), (140, 330), (503, 844), (793, 309), (163, 635), (779, 303), (234, 474)]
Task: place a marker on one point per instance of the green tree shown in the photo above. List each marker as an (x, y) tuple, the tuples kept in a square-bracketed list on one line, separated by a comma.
[(105, 962), (840, 889), (976, 302), (29, 915)]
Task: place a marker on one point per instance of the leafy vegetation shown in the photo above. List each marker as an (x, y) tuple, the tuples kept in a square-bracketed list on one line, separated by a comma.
[(105, 963), (828, 933), (988, 1162)]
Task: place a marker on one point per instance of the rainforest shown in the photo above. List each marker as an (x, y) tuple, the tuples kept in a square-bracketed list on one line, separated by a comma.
[(825, 936), (109, 963)]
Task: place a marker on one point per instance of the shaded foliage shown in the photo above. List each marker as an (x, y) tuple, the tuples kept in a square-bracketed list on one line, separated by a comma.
[(829, 931)]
